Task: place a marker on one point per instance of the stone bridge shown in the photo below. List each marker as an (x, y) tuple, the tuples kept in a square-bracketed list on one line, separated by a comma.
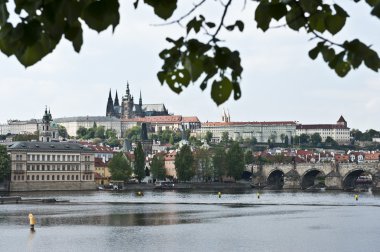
[(307, 175)]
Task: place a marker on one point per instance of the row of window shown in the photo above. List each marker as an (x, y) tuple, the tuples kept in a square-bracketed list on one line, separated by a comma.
[(53, 177), (52, 167), (42, 157)]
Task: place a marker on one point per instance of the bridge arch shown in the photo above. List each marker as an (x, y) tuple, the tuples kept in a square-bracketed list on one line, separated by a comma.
[(350, 179), (310, 178), (275, 179)]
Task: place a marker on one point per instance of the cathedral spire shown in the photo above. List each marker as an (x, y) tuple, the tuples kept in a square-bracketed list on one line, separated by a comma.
[(140, 100), (110, 110), (127, 91), (116, 102)]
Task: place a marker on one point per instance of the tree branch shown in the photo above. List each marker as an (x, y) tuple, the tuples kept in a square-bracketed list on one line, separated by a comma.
[(221, 21), (178, 21)]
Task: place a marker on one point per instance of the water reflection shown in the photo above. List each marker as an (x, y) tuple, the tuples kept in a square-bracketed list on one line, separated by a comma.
[(128, 219)]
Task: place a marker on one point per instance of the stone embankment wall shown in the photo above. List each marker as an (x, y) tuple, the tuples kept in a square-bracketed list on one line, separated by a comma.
[(53, 186)]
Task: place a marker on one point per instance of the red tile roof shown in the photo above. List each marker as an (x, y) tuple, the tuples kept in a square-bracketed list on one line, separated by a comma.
[(320, 126), (99, 162), (190, 119)]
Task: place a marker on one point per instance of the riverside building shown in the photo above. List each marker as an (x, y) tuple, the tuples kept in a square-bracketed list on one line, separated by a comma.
[(50, 165)]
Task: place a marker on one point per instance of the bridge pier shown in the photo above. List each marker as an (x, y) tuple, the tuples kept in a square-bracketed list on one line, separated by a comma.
[(376, 182), (292, 180), (333, 181)]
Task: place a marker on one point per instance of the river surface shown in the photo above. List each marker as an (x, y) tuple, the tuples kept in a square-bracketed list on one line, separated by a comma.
[(194, 221)]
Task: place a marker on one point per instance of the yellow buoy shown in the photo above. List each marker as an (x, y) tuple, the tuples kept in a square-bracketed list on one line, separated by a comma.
[(258, 195), (356, 197), (32, 221), (219, 194)]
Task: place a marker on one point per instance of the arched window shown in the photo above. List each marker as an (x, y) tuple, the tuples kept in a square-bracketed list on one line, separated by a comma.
[(38, 177), (52, 177), (32, 177), (77, 177), (68, 177), (47, 177), (72, 177)]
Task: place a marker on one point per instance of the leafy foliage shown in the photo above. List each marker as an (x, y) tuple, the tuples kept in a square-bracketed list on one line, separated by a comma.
[(62, 131), (139, 167), (203, 167), (184, 164), (157, 167), (26, 137), (316, 139), (220, 163), (46, 22), (235, 161), (119, 167), (193, 58), (5, 163)]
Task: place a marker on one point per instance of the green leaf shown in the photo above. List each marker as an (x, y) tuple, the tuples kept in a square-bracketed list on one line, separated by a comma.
[(194, 67), (335, 23), (36, 52), (237, 90), (376, 10), (100, 14), (194, 24), (372, 60), (277, 10), (342, 68), (310, 6), (240, 25), (210, 24), (317, 21), (74, 33), (163, 8), (4, 14), (340, 11), (313, 53), (221, 90), (262, 15), (295, 18), (328, 53), (135, 4)]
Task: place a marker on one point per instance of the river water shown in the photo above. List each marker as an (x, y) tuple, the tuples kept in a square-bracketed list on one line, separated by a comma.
[(194, 221)]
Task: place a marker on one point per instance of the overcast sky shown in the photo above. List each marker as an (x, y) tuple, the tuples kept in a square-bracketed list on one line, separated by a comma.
[(280, 81)]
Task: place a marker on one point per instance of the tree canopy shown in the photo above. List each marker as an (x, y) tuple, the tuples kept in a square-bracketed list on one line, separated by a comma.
[(119, 167), (139, 168), (158, 167), (200, 56), (184, 163), (5, 163)]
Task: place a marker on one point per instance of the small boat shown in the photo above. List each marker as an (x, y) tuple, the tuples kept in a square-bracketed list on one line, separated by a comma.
[(164, 185)]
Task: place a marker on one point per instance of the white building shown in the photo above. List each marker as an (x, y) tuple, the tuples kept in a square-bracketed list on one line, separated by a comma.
[(262, 131), (339, 131), (72, 124), (16, 127)]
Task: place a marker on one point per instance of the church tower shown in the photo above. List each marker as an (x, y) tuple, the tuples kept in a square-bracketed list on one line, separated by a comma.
[(110, 108), (116, 106), (48, 129), (127, 104)]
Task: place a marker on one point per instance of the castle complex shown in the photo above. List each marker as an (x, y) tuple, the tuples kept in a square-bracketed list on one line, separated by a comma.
[(128, 109)]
